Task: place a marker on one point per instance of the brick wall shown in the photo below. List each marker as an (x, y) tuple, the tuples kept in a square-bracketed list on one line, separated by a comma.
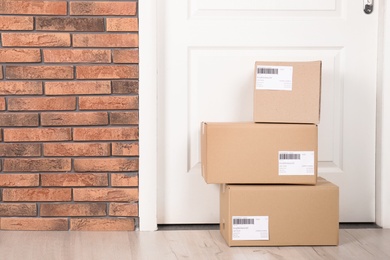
[(68, 115)]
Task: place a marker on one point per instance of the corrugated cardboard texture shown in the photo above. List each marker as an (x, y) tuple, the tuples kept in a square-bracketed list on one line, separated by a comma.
[(249, 152), (298, 214), (300, 105)]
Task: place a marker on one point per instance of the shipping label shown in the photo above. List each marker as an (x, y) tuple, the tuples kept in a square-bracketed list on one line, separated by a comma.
[(296, 162), (274, 77), (250, 228)]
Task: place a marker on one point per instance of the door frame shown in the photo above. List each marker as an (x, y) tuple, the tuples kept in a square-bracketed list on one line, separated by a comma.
[(148, 117), (382, 174)]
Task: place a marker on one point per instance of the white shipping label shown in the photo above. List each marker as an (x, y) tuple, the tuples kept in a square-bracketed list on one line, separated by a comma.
[(274, 77), (296, 162), (250, 228)]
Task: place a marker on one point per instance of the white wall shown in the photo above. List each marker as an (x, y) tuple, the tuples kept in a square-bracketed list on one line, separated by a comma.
[(148, 114), (383, 116)]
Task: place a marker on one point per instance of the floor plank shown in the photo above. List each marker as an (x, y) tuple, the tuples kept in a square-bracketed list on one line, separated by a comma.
[(179, 244)]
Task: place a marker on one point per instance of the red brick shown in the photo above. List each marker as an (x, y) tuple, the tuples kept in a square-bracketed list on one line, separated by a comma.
[(124, 180), (69, 24), (34, 224), (19, 180), (33, 7), (126, 56), (124, 118), (15, 23), (125, 87), (37, 134), (37, 165), (123, 209), (122, 24), (39, 72), (19, 119), (108, 103), (105, 40), (73, 119), (74, 179), (91, 134), (102, 224), (18, 210), (77, 56), (36, 39), (76, 149), (105, 194), (1, 72), (78, 88), (13, 150), (103, 8), (20, 55), (19, 150), (107, 72), (37, 194), (73, 210), (42, 103), (125, 149), (2, 103), (20, 87), (105, 165)]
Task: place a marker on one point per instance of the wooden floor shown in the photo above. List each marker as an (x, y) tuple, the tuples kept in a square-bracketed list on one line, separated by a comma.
[(179, 244)]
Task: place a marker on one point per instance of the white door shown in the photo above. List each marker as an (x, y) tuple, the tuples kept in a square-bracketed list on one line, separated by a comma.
[(206, 56)]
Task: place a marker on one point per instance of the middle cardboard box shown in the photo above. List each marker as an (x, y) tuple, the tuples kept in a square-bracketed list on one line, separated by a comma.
[(259, 153)]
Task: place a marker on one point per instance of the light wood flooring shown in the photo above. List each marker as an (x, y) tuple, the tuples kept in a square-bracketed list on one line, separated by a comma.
[(365, 244)]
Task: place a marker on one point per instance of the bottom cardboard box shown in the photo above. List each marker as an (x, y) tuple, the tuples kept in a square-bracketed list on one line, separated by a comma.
[(280, 215)]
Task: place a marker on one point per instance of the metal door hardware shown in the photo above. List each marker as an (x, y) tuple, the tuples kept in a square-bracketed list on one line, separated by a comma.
[(368, 6)]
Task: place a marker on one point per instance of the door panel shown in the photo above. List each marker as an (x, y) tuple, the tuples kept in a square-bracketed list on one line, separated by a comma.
[(207, 54), (297, 7)]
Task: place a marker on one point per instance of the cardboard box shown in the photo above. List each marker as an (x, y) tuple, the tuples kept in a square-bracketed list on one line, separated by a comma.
[(259, 153), (280, 215), (287, 92)]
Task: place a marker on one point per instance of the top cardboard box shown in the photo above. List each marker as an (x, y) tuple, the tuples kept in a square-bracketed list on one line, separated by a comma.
[(287, 92)]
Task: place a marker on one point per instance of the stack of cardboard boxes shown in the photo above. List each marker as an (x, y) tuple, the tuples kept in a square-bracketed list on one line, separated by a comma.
[(270, 193)]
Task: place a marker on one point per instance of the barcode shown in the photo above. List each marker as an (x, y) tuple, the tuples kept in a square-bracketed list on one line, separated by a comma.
[(243, 221), (267, 71), (289, 156)]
